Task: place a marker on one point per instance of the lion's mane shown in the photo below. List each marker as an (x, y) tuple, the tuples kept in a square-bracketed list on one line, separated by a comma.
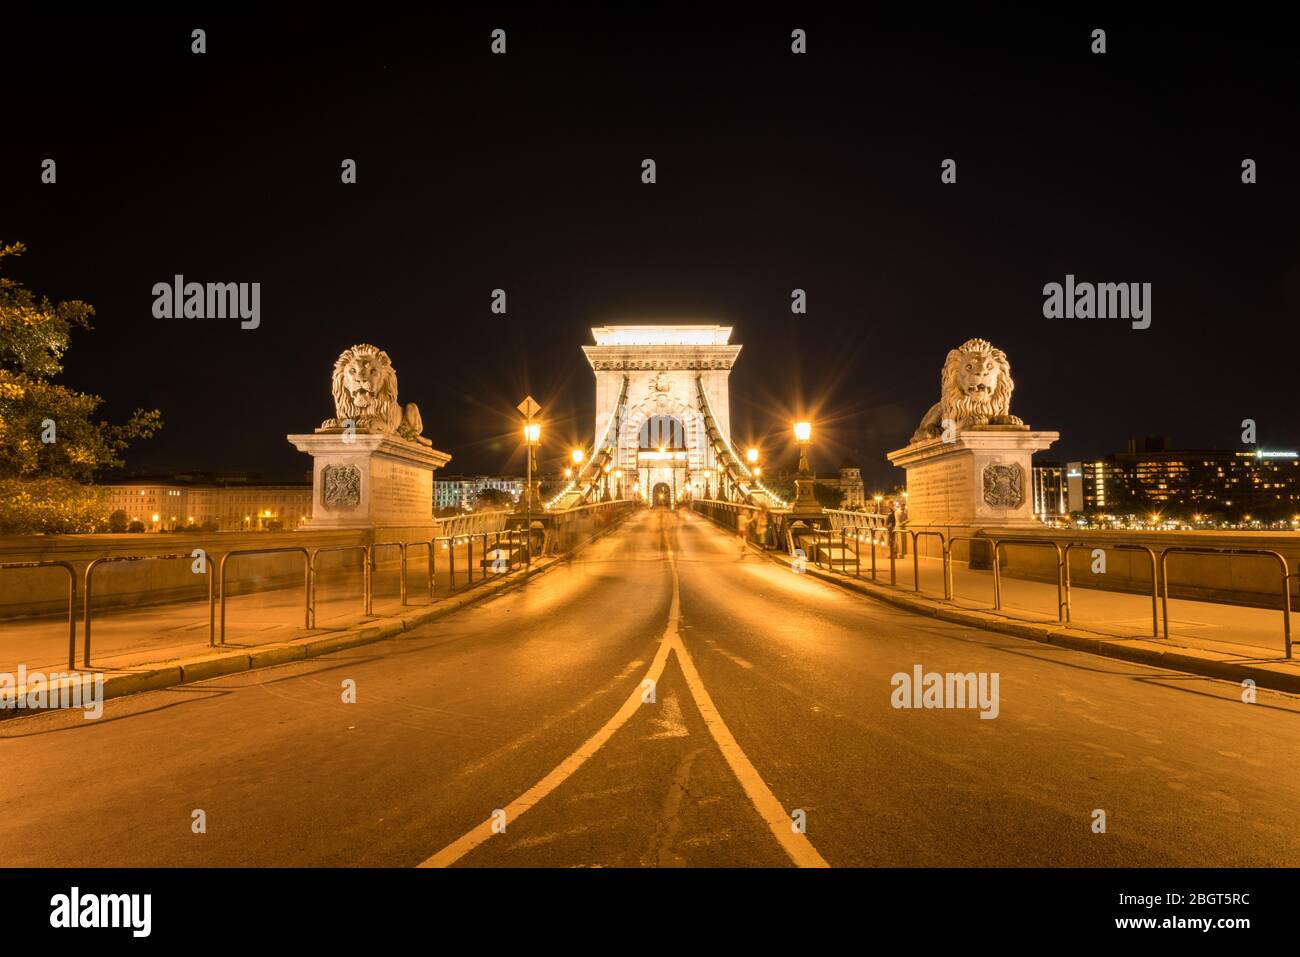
[(964, 408), (384, 411)]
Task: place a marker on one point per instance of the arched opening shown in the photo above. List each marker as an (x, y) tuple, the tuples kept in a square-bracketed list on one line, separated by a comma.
[(661, 496), (663, 432)]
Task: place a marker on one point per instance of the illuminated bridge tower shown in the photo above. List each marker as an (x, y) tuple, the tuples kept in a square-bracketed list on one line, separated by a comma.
[(661, 441)]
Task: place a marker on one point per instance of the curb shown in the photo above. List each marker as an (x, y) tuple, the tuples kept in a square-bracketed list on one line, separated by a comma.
[(1278, 675)]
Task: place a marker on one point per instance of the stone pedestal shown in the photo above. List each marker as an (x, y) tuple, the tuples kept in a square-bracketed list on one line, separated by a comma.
[(363, 480), (983, 478)]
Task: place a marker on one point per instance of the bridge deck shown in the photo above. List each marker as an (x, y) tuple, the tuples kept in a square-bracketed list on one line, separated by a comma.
[(469, 713)]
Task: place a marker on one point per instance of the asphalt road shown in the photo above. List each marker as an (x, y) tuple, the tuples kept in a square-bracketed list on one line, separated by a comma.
[(771, 704)]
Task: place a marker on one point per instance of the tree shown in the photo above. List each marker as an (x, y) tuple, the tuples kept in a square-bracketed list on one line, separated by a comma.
[(827, 496), (118, 521), (490, 499), (50, 445)]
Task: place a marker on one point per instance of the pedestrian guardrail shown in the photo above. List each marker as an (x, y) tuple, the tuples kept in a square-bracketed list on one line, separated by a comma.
[(880, 535), (309, 559), (72, 602), (367, 586), (1201, 549), (95, 563), (1155, 628), (916, 559), (509, 544), (374, 567), (997, 570)]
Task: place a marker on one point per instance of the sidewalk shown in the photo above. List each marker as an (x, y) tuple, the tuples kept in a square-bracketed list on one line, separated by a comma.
[(152, 648), (128, 637), (195, 661), (1233, 629), (1217, 641)]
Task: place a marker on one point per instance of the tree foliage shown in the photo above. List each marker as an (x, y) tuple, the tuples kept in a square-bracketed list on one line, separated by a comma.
[(50, 441)]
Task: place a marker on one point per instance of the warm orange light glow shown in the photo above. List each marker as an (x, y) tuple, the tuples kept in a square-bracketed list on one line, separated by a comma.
[(803, 431), (751, 455), (532, 433), (578, 456)]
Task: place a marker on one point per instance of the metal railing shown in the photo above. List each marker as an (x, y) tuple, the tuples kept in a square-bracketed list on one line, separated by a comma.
[(472, 523), (367, 604), (1155, 628), (72, 601), (997, 571), (95, 563), (309, 559), (218, 582), (916, 559), (1259, 552), (950, 586), (374, 565), (819, 534), (848, 518)]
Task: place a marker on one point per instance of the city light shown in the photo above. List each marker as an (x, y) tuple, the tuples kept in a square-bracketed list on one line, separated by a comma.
[(751, 456), (532, 433), (578, 455), (803, 432)]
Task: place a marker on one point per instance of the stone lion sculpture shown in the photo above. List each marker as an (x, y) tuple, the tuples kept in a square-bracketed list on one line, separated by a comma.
[(365, 397), (975, 389)]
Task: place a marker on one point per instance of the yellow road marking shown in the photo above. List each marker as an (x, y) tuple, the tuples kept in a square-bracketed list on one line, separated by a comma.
[(795, 844)]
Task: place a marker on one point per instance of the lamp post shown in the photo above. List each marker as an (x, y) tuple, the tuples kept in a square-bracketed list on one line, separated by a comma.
[(576, 456), (532, 438), (804, 499), (605, 496), (618, 475)]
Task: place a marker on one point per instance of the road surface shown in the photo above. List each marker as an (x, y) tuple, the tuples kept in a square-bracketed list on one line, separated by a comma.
[(521, 732)]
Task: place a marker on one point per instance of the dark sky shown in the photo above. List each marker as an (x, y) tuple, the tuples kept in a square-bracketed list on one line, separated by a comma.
[(775, 171)]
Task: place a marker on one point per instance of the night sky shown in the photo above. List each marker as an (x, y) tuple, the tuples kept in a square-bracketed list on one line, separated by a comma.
[(775, 171)]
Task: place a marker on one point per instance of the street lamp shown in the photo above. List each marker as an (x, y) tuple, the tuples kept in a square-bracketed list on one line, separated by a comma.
[(751, 456), (618, 474), (805, 500), (532, 439)]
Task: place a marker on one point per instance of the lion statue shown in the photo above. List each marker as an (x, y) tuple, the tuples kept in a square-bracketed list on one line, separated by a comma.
[(365, 397), (975, 389)]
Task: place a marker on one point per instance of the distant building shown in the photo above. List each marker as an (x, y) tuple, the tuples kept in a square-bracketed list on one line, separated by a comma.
[(1049, 491), (238, 502), (1152, 477), (462, 491), (850, 484)]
